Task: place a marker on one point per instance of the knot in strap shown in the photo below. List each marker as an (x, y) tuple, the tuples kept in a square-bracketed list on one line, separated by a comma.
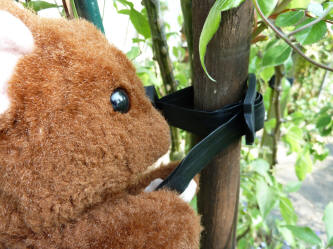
[(220, 127)]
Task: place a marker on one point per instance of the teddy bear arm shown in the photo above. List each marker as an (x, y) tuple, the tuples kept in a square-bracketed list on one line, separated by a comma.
[(140, 183), (161, 172), (153, 220)]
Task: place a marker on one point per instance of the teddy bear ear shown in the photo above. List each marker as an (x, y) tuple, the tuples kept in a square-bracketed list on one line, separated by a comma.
[(16, 40)]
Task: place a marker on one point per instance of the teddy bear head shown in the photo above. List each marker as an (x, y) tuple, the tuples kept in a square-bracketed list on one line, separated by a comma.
[(75, 124)]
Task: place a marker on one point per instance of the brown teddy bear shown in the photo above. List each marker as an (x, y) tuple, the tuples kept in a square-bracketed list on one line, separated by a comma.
[(77, 135)]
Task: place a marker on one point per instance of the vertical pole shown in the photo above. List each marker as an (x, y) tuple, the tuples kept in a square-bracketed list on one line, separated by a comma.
[(89, 10), (161, 55), (227, 60)]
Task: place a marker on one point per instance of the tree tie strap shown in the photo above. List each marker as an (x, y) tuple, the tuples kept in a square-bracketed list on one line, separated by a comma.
[(220, 128)]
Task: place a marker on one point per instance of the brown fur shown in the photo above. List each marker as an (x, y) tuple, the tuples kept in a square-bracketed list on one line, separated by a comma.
[(69, 164)]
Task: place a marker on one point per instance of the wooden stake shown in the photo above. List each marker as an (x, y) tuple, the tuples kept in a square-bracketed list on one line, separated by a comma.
[(227, 61)]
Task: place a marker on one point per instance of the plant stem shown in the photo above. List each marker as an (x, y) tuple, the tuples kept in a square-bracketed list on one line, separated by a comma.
[(310, 24), (277, 108), (160, 46), (187, 14), (267, 140), (66, 8), (242, 235), (161, 55), (258, 30), (186, 5), (103, 13), (285, 38), (322, 83)]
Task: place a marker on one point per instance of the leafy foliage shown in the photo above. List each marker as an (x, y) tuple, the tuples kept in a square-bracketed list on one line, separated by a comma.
[(276, 54), (289, 18), (39, 5), (311, 34), (267, 6), (138, 19), (305, 234)]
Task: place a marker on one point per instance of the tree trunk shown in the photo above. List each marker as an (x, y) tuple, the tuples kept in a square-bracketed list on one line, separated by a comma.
[(227, 61)]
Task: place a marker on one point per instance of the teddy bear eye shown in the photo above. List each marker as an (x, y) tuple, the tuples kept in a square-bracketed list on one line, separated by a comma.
[(120, 101)]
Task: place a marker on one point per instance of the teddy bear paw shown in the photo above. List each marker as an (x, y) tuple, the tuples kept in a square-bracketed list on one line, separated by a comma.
[(187, 195)]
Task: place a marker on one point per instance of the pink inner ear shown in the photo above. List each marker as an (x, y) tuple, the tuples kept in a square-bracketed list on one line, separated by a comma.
[(16, 40), (8, 63), (15, 37), (12, 48)]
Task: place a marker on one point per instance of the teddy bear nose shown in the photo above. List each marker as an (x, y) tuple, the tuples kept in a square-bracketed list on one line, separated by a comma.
[(120, 101)]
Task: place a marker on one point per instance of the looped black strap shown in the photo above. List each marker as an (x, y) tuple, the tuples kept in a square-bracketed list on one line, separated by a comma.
[(220, 128)]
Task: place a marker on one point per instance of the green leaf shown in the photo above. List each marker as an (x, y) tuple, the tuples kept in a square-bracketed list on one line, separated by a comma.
[(138, 40), (297, 117), (211, 26), (270, 125), (289, 18), (328, 220), (305, 234), (140, 23), (193, 203), (224, 5), (294, 138), (330, 242), (262, 168), (267, 6), (285, 95), (329, 5), (303, 165), (72, 4), (267, 73), (254, 60), (242, 244), (276, 54), (292, 187), (323, 121), (40, 5), (326, 130), (133, 53), (287, 210), (311, 34), (289, 65), (266, 197), (126, 3), (298, 4), (287, 235), (124, 11)]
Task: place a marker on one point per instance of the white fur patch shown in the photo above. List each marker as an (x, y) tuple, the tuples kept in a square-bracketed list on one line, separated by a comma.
[(153, 185), (16, 40), (187, 195), (189, 192)]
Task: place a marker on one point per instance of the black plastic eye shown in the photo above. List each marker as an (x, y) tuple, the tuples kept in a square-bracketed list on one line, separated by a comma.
[(120, 101)]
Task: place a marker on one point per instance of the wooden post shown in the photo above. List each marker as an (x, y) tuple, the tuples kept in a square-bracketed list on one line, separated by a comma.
[(227, 61)]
